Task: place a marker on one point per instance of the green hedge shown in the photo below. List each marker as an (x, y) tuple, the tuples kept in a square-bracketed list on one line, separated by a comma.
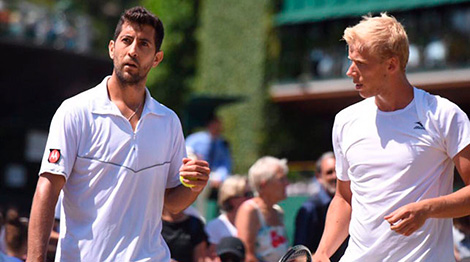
[(232, 55), (170, 83)]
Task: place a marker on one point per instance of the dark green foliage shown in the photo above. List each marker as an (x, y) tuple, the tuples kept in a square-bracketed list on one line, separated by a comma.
[(170, 83), (232, 58)]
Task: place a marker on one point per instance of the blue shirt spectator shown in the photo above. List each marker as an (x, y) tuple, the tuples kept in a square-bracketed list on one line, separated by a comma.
[(210, 146)]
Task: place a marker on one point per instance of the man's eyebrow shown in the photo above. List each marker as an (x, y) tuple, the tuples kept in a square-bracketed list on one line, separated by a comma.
[(145, 39), (126, 35), (357, 60)]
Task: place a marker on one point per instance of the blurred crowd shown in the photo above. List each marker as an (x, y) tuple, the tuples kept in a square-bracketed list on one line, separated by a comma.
[(36, 24), (250, 225)]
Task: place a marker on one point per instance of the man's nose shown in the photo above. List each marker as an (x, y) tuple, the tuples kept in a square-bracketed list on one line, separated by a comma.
[(133, 49), (351, 70)]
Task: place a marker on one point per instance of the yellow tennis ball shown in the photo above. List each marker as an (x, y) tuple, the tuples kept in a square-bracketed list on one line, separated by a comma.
[(184, 184)]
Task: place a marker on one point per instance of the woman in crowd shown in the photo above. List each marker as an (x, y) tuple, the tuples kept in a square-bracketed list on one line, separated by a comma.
[(260, 220), (461, 235), (16, 236), (185, 236), (233, 192)]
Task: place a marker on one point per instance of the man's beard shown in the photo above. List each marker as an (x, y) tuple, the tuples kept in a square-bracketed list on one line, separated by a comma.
[(330, 188), (129, 79)]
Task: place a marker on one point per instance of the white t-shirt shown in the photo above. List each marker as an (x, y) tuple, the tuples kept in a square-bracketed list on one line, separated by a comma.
[(116, 178), (219, 228), (396, 158)]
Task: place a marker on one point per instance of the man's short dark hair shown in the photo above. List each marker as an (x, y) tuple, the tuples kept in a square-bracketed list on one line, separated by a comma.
[(141, 16)]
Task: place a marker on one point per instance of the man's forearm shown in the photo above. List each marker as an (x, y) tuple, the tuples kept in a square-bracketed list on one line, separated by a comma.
[(41, 219), (179, 198), (197, 174), (336, 226), (456, 204)]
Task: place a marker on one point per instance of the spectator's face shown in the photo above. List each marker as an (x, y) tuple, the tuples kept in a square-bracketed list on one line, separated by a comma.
[(278, 184), (229, 258), (328, 175), (215, 127), (236, 201)]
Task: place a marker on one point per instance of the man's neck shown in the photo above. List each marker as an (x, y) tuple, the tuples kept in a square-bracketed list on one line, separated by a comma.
[(130, 95), (397, 96)]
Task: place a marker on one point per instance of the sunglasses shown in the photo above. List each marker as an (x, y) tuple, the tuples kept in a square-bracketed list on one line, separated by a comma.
[(246, 194), (330, 171)]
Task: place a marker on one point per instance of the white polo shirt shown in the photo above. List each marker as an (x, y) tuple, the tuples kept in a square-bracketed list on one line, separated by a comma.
[(116, 178)]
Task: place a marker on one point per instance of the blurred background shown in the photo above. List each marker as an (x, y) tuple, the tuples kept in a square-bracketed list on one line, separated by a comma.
[(281, 61)]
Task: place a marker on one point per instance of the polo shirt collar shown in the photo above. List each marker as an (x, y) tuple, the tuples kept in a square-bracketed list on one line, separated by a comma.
[(152, 106), (101, 104)]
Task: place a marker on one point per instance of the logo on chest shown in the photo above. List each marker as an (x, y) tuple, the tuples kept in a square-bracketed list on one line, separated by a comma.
[(419, 125)]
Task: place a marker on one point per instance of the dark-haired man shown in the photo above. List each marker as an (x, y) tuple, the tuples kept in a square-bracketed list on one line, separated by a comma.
[(117, 154)]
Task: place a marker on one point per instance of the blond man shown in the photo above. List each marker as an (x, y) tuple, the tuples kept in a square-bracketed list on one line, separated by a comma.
[(395, 155)]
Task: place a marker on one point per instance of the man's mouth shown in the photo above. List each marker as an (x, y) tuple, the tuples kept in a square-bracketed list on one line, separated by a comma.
[(130, 65), (358, 85)]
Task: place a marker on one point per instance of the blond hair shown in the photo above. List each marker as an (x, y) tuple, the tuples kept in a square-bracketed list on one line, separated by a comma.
[(383, 36), (233, 186), (265, 169)]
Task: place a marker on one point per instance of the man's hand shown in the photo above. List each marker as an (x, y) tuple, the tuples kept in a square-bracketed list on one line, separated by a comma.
[(407, 219), (195, 173)]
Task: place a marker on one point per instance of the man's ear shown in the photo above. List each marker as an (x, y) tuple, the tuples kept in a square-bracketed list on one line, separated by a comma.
[(158, 58), (111, 49), (393, 64)]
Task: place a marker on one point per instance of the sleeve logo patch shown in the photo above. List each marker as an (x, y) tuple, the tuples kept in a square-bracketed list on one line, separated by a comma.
[(54, 156)]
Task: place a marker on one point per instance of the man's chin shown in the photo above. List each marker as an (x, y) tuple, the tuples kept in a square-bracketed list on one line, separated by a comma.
[(331, 190), (364, 95), (128, 79)]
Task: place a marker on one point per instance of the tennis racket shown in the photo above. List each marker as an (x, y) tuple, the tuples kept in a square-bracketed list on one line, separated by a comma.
[(297, 253)]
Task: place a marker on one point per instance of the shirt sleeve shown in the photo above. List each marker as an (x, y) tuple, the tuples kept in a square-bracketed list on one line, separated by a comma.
[(341, 161), (456, 129), (62, 142), (179, 152)]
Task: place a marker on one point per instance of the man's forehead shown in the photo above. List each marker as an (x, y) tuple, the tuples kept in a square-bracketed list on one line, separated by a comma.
[(329, 160), (143, 30)]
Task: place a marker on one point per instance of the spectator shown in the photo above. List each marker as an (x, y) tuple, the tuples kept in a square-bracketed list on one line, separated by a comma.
[(2, 233), (461, 234), (259, 220), (16, 237), (209, 145), (233, 192), (185, 236), (230, 249)]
